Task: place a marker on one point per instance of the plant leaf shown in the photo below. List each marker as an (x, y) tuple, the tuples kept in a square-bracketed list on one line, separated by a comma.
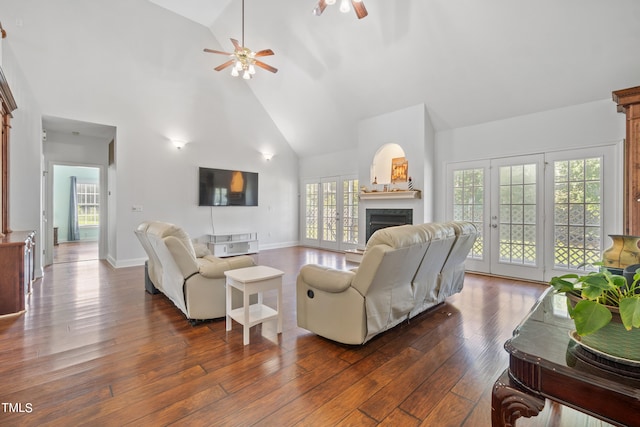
[(618, 281), (630, 312), (595, 284), (590, 316), (560, 284)]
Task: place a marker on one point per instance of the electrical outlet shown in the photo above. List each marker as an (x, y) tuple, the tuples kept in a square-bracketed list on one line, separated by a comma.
[(136, 208)]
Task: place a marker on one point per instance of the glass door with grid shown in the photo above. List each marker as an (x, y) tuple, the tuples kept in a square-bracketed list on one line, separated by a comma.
[(540, 215), (585, 195), (330, 212), (517, 217)]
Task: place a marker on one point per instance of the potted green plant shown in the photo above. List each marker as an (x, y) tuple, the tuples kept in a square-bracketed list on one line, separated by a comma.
[(605, 308)]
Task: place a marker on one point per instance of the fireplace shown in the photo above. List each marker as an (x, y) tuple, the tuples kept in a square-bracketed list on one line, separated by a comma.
[(382, 218)]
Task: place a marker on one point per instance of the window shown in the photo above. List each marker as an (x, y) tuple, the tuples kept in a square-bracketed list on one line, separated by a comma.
[(88, 204), (330, 211), (468, 203), (518, 214), (577, 212), (311, 211), (350, 211)]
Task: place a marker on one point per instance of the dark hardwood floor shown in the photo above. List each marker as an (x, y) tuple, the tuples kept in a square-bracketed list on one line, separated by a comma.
[(75, 252), (94, 348)]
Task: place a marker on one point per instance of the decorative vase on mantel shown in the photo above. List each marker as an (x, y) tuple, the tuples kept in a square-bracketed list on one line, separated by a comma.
[(624, 251)]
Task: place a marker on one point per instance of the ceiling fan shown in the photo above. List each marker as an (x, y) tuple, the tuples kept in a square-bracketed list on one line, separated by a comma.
[(358, 6), (242, 58)]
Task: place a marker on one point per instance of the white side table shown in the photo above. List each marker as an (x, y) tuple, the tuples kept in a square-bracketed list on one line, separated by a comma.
[(254, 280)]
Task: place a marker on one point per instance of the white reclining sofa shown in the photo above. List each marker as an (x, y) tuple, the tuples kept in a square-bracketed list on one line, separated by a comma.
[(404, 271), (193, 279)]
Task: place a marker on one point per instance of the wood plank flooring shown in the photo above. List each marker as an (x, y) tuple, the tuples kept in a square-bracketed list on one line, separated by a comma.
[(93, 348), (75, 252)]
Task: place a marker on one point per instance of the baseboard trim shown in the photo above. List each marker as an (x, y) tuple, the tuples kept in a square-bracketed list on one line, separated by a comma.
[(134, 262), (279, 245)]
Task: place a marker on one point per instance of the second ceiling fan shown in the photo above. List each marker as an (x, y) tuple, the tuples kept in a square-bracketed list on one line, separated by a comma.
[(358, 7)]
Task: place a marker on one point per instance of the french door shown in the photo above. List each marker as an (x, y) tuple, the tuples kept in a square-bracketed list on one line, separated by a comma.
[(516, 217), (538, 215), (330, 213)]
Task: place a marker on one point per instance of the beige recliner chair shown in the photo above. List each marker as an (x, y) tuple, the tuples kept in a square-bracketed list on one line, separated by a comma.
[(188, 275), (404, 271)]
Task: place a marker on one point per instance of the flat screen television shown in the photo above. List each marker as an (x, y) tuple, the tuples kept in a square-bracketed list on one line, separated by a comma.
[(222, 187)]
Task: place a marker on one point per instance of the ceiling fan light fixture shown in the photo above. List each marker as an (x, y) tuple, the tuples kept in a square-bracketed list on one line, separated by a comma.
[(242, 58), (330, 2), (344, 6)]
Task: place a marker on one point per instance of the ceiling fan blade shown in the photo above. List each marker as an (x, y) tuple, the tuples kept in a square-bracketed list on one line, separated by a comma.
[(266, 67), (218, 51), (265, 52), (225, 65), (236, 44), (358, 6), (322, 5)]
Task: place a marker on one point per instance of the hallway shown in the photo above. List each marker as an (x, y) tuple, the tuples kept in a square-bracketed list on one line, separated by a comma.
[(75, 252)]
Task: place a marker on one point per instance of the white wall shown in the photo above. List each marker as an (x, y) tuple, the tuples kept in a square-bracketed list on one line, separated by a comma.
[(411, 129), (333, 164), (584, 125), (25, 154), (150, 79), (80, 150)]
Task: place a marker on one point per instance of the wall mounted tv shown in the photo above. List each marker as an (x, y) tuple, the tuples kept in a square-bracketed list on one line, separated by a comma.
[(222, 187)]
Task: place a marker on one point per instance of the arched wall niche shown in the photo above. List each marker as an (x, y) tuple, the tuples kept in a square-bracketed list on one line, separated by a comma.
[(381, 166)]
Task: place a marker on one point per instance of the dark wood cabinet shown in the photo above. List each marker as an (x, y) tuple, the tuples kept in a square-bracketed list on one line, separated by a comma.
[(7, 104), (17, 270), (628, 101)]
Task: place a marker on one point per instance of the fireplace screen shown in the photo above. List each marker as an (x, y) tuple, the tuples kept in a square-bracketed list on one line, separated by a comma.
[(381, 218)]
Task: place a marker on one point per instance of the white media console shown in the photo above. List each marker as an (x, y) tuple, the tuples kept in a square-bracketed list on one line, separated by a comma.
[(224, 245)]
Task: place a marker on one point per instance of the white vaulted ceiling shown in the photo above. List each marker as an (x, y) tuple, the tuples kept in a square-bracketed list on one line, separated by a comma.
[(468, 61)]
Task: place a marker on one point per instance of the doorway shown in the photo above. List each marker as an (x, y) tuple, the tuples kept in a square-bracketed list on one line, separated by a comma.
[(329, 209), (541, 215), (73, 143), (76, 213)]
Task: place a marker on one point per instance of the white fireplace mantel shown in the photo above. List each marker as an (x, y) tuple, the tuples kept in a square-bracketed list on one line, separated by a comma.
[(377, 195)]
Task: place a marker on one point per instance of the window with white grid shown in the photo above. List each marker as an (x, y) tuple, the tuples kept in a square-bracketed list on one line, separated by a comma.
[(88, 204), (577, 212), (468, 203), (350, 211)]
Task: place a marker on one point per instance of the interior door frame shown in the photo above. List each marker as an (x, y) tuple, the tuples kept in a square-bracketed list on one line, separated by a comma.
[(47, 219)]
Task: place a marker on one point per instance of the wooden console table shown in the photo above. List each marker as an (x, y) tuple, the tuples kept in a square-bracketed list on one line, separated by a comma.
[(545, 363), (17, 270)]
